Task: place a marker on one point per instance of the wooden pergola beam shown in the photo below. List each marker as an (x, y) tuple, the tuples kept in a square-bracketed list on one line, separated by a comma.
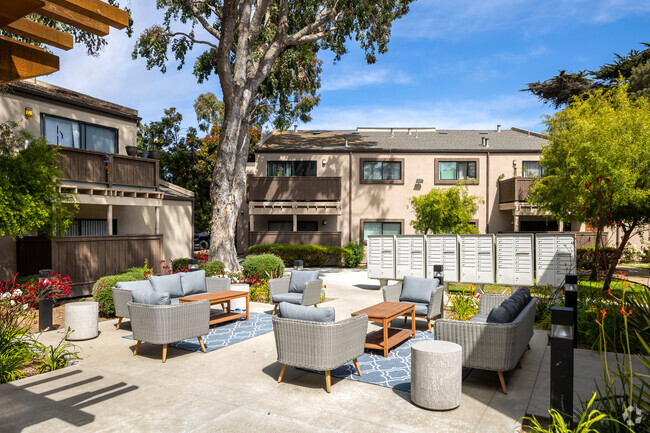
[(12, 10), (74, 19), (40, 33), (97, 10), (19, 61)]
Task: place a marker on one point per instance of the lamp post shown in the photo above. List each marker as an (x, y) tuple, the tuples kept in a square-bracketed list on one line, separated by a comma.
[(437, 273), (562, 362), (297, 265), (193, 265), (571, 301), (45, 302)]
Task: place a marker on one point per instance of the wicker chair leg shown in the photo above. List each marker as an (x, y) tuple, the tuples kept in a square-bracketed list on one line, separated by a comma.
[(164, 353), (284, 367), (328, 381), (356, 365), (274, 309), (503, 382), (429, 324), (137, 346), (528, 346), (119, 322), (201, 343), (519, 363)]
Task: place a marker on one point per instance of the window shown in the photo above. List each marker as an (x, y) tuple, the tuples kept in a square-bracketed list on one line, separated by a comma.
[(381, 228), (382, 170), (280, 226), (532, 169), (89, 227), (291, 168), (307, 226), (79, 135), (456, 170)]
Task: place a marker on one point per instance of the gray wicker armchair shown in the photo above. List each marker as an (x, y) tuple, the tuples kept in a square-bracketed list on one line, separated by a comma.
[(164, 324), (490, 346), (279, 292), (429, 311), (122, 296), (319, 346)]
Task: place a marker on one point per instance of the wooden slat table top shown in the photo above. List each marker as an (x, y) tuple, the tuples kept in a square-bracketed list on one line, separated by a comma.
[(216, 297), (386, 310)]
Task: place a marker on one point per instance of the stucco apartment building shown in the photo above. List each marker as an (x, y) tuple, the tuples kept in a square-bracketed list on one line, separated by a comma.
[(331, 187), (126, 212)]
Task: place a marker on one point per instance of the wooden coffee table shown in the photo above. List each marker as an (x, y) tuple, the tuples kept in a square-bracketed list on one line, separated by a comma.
[(217, 298), (385, 313)]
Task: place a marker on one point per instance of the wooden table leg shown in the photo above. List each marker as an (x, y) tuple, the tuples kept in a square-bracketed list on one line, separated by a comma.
[(247, 309), (413, 321), (385, 339)]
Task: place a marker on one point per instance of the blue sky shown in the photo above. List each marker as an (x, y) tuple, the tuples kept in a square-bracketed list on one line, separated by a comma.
[(450, 64)]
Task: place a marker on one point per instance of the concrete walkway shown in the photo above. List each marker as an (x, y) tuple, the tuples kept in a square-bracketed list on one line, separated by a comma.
[(235, 389)]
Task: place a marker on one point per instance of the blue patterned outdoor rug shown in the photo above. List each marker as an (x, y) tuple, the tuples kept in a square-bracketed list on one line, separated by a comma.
[(391, 372), (223, 335)]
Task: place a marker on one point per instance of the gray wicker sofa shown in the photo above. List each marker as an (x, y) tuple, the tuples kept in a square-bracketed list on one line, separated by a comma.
[(123, 291), (491, 346)]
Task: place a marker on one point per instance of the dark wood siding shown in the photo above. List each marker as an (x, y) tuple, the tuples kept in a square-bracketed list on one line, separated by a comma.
[(514, 189), (294, 188)]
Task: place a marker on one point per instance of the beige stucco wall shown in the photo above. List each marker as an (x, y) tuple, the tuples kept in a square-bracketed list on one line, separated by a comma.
[(177, 227), (12, 107)]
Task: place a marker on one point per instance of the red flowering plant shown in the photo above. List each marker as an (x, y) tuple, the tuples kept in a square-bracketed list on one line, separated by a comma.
[(168, 267), (30, 293)]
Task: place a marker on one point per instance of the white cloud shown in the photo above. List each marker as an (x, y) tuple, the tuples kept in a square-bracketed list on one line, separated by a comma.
[(348, 78), (522, 111)]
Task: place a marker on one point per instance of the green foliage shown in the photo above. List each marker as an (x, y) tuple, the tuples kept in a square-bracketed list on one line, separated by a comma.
[(212, 268), (445, 210), (209, 111), (179, 265), (260, 293), (357, 254), (102, 293), (464, 306), (22, 279), (55, 357), (587, 423), (311, 255), (586, 257), (29, 200), (263, 265)]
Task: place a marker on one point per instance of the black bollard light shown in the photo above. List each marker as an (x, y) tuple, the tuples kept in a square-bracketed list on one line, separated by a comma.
[(562, 362), (437, 273), (45, 302), (297, 265), (193, 265), (571, 301)]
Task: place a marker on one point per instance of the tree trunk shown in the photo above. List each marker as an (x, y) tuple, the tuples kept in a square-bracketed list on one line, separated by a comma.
[(619, 252), (594, 271), (229, 182)]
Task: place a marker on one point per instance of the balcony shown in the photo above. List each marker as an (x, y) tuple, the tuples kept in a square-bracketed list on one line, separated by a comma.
[(327, 239), (107, 169), (294, 189), (514, 189)]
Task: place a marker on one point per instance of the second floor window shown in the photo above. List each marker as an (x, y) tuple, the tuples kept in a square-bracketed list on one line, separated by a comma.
[(79, 135), (291, 168), (382, 170), (456, 170), (532, 169)]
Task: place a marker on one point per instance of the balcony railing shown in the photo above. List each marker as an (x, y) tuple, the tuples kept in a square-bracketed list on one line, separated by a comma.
[(514, 189), (294, 189), (327, 239), (108, 169)]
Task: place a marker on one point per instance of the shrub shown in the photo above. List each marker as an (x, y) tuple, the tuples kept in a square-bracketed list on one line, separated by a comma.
[(102, 289), (357, 254), (212, 268), (180, 264), (260, 293), (263, 265), (465, 306), (586, 257), (311, 255)]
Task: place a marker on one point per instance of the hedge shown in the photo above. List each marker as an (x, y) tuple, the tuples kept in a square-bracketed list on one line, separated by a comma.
[(586, 257), (311, 255), (263, 265), (357, 254), (212, 268), (102, 293)]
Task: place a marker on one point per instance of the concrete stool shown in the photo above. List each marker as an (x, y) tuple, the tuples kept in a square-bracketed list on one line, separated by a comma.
[(82, 318), (436, 374)]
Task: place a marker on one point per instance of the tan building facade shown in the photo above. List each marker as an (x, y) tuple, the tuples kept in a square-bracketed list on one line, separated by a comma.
[(332, 187), (126, 214)]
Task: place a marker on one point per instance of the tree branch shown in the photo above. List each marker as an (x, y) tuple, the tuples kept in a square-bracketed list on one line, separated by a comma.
[(189, 4), (209, 6), (196, 41)]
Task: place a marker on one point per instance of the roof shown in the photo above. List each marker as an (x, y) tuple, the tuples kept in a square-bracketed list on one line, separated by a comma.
[(65, 96), (175, 192), (403, 140)]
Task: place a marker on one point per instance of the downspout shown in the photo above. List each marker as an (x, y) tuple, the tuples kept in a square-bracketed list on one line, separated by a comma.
[(487, 194), (350, 196)]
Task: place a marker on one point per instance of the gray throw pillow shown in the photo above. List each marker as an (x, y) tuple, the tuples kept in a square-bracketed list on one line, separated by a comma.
[(499, 314), (193, 283), (299, 278), (309, 314), (418, 289), (132, 285), (167, 284), (148, 296)]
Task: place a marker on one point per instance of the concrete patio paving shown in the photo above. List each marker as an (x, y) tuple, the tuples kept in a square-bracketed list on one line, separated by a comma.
[(235, 389)]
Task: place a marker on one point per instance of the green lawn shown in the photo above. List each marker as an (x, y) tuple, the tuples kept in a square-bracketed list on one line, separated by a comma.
[(636, 265)]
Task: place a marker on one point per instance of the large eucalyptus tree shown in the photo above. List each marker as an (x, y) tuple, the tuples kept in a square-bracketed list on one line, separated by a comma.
[(264, 53)]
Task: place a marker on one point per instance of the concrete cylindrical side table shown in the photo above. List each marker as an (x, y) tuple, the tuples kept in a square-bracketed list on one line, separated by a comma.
[(82, 318), (436, 374)]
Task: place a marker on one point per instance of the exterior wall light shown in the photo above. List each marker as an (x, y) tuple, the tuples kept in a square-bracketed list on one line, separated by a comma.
[(324, 222), (562, 362), (419, 180), (193, 265), (28, 113)]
